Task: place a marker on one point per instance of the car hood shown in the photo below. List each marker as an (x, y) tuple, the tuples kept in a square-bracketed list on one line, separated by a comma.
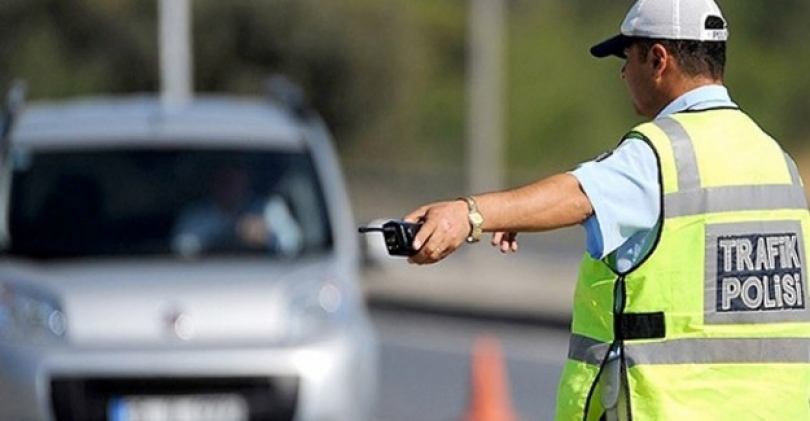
[(172, 302)]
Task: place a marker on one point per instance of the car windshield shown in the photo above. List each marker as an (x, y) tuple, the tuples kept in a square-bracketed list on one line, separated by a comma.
[(189, 203)]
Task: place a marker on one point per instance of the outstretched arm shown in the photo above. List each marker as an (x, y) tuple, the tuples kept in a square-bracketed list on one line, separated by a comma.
[(550, 203)]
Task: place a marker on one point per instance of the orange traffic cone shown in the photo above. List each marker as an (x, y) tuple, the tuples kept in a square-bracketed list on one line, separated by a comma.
[(489, 389)]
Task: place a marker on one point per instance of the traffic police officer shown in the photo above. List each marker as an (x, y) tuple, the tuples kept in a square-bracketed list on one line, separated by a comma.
[(692, 299)]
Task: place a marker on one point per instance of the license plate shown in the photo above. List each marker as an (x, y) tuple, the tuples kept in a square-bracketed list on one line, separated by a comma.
[(223, 407)]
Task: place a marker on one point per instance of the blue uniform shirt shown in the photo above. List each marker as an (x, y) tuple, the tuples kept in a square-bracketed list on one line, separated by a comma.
[(624, 191)]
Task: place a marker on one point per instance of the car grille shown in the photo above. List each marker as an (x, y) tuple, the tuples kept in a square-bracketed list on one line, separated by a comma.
[(87, 399)]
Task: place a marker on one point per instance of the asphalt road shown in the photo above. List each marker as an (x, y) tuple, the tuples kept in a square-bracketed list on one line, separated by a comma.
[(426, 365)]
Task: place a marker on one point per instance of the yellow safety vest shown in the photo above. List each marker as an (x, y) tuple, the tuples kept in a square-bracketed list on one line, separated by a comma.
[(714, 323)]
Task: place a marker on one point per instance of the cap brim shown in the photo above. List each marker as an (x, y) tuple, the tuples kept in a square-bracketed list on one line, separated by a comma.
[(610, 47)]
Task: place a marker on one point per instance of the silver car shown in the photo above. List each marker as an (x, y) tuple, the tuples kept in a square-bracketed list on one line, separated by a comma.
[(195, 262)]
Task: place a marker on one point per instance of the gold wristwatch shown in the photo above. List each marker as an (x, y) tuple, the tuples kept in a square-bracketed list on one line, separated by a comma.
[(475, 219)]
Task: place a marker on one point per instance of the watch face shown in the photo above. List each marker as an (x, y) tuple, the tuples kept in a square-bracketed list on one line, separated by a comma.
[(476, 218)]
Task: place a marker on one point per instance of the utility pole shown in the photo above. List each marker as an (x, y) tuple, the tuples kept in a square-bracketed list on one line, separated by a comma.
[(484, 99), (176, 75)]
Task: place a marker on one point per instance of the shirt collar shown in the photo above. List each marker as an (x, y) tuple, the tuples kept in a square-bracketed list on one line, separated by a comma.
[(709, 96)]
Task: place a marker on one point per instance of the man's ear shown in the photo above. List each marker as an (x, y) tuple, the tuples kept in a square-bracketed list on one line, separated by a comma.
[(658, 55)]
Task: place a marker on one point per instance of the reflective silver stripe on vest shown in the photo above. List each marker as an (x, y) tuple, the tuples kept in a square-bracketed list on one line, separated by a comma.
[(734, 198), (698, 351), (684, 153), (794, 170), (691, 199), (586, 350)]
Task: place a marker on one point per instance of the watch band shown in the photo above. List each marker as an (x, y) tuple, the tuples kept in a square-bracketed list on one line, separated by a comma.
[(475, 219)]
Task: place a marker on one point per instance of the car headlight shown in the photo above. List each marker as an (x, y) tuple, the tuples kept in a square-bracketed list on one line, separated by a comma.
[(314, 308), (29, 317)]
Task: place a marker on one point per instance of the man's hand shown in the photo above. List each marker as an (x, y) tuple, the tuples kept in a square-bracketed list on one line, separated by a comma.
[(505, 241), (554, 202), (445, 228)]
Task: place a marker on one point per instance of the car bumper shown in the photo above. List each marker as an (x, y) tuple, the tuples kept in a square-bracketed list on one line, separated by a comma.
[(333, 379)]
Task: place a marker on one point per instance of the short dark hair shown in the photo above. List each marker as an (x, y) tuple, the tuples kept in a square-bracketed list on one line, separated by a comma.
[(695, 58)]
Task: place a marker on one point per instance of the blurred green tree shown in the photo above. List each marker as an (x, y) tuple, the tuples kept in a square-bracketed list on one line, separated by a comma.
[(389, 76)]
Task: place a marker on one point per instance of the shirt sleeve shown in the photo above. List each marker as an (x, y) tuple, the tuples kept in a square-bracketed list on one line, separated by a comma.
[(624, 191)]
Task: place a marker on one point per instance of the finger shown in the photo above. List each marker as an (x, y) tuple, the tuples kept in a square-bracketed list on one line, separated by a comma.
[(513, 242), (423, 247), (428, 231), (428, 254), (423, 236), (506, 241), (497, 238), (417, 215), (436, 253)]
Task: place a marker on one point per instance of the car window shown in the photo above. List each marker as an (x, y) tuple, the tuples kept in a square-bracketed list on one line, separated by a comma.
[(176, 202)]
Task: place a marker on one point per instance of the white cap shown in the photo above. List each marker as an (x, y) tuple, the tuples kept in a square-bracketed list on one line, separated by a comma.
[(667, 19)]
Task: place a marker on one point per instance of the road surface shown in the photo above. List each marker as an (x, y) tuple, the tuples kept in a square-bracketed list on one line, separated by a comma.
[(426, 361)]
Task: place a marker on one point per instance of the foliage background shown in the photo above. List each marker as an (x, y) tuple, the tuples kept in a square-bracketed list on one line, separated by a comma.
[(389, 75)]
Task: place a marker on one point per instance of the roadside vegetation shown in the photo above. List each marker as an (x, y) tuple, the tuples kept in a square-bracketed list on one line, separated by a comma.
[(389, 75)]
